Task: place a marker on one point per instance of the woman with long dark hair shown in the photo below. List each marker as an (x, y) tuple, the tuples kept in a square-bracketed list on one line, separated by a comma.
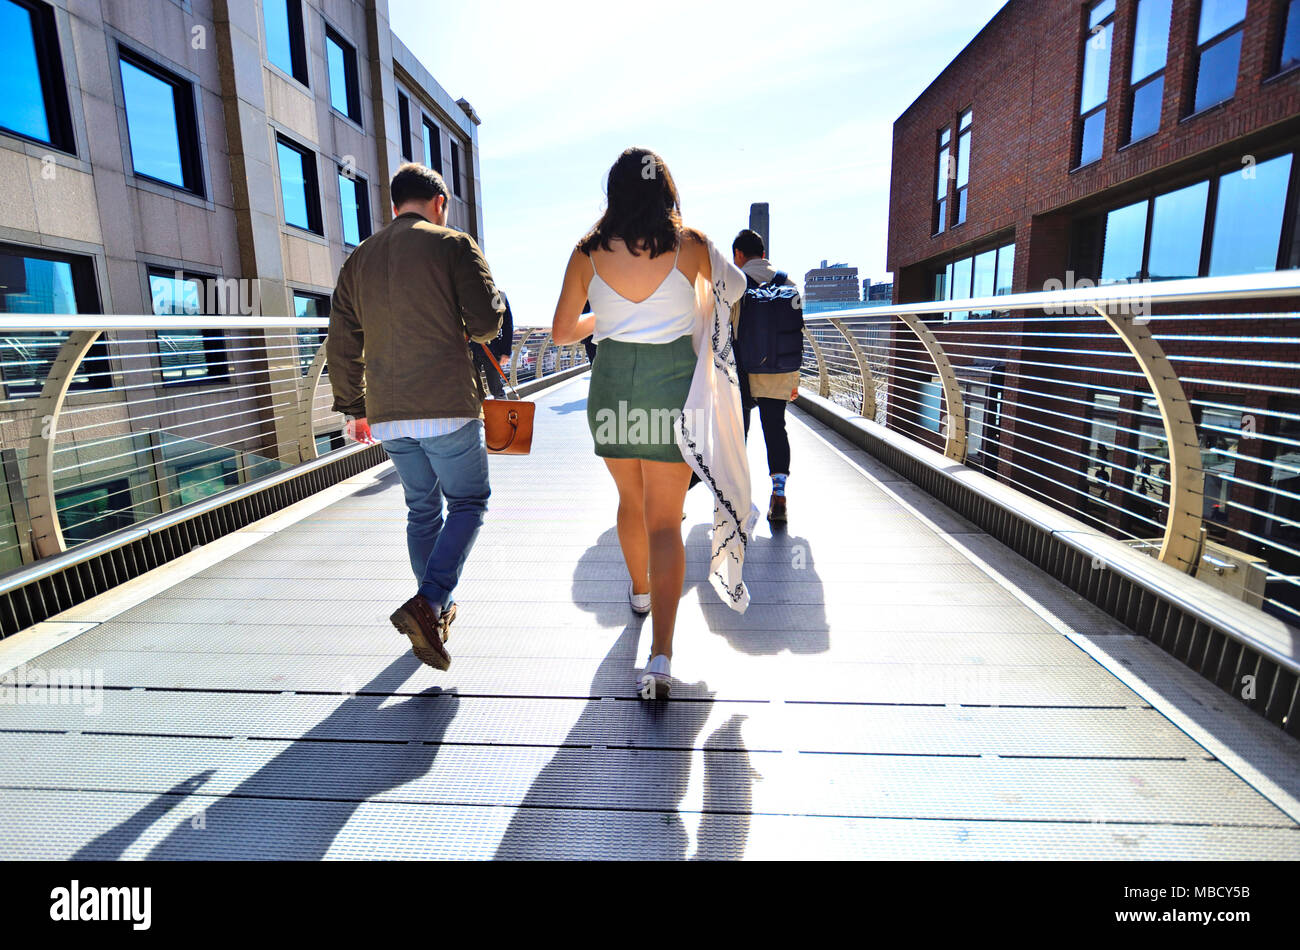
[(647, 277)]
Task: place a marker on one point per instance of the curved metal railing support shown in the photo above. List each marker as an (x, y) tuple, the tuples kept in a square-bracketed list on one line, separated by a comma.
[(954, 425), (864, 369), (541, 357), (823, 377), (47, 535), (1181, 547), (307, 406)]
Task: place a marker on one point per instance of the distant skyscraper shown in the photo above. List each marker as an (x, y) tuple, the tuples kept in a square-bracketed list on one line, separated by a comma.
[(759, 223)]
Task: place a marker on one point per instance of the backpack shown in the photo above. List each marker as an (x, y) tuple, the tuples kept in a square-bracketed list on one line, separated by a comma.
[(769, 338)]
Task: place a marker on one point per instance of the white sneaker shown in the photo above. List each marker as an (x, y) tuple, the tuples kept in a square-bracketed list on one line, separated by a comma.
[(640, 602), (656, 680)]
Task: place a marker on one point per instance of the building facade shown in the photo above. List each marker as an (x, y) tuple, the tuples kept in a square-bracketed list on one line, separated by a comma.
[(835, 284), (155, 151), (1107, 141)]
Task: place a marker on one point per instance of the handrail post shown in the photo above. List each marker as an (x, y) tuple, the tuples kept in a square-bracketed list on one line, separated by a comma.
[(307, 450), (823, 378), (955, 430), (1181, 544), (47, 534), (864, 370)]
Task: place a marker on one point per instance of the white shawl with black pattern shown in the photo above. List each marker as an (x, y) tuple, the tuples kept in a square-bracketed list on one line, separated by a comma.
[(711, 432)]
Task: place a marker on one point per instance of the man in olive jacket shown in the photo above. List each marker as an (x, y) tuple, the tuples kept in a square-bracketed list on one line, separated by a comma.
[(404, 303)]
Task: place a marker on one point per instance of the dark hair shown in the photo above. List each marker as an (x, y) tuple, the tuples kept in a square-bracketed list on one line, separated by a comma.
[(415, 182), (749, 243), (643, 210)]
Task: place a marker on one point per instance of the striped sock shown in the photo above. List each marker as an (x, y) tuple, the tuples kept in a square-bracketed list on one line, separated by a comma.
[(778, 485)]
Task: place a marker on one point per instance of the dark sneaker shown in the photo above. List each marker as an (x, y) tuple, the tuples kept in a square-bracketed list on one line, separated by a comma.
[(776, 510), (421, 621)]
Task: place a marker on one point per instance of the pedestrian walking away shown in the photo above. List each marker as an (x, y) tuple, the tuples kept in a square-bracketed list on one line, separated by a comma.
[(404, 303)]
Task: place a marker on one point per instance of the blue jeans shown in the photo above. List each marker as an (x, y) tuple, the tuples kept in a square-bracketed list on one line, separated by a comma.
[(454, 467)]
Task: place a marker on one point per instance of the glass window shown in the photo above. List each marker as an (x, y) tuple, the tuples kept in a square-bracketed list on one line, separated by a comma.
[(355, 200), (1151, 39), (161, 124), (432, 146), (943, 175), (286, 41), (455, 169), (986, 266), (1290, 55), (345, 89), (959, 289), (1006, 270), (1150, 52), (1095, 83), (1126, 232), (22, 108), (963, 166), (931, 398), (1177, 232), (309, 341), (298, 188), (1217, 16), (185, 355), (1218, 52), (36, 282), (404, 122), (1148, 99), (94, 511), (1248, 218)]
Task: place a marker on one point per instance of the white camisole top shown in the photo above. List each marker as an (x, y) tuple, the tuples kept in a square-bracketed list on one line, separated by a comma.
[(666, 315)]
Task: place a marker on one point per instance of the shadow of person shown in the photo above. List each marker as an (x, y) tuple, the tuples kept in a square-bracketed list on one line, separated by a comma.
[(728, 794), (614, 788), (294, 806), (384, 481), (112, 844), (600, 581), (787, 617), (578, 405)]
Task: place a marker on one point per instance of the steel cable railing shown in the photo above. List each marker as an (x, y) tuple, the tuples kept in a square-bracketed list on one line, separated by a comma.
[(1166, 415), (107, 421)]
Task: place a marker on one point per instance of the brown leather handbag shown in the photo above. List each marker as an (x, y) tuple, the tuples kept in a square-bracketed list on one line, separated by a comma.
[(507, 423)]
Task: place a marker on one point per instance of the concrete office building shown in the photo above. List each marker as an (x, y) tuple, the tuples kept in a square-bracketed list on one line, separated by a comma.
[(834, 284), (151, 150)]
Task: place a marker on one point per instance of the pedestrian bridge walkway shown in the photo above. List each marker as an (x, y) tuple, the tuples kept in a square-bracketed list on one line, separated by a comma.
[(902, 687)]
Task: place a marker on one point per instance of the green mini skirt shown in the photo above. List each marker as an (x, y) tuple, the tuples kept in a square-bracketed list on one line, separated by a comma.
[(638, 390)]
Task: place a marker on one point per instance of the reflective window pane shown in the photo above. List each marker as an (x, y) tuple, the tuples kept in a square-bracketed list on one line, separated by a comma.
[(960, 289), (1291, 37), (1177, 232), (1217, 16), (1216, 78), (152, 125), (432, 146), (963, 160), (1248, 218), (341, 59), (22, 107), (355, 228), (985, 274), (1096, 69), (1147, 103), (309, 340), (1100, 11), (1092, 138), (37, 285), (275, 19), (181, 353), (941, 185), (1125, 237), (1151, 40), (1006, 269), (294, 187)]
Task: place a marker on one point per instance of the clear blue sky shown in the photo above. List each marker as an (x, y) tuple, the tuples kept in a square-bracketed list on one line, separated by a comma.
[(760, 101)]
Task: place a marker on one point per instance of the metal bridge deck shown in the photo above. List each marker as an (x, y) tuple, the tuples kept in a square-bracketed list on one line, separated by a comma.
[(901, 687)]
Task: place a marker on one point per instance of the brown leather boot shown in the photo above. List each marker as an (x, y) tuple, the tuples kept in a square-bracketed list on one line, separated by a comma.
[(776, 510), (420, 620)]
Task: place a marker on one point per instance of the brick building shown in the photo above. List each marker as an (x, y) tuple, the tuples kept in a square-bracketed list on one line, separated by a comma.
[(1110, 140)]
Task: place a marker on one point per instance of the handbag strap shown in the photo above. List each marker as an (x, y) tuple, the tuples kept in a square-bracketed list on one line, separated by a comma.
[(504, 378)]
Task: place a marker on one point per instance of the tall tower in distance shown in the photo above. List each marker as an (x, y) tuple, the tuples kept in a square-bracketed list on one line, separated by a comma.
[(759, 223)]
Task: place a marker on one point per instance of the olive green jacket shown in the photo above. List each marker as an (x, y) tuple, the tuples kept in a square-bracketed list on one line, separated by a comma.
[(404, 302)]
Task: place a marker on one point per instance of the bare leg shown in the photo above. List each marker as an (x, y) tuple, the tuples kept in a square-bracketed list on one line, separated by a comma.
[(665, 495), (631, 521)]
